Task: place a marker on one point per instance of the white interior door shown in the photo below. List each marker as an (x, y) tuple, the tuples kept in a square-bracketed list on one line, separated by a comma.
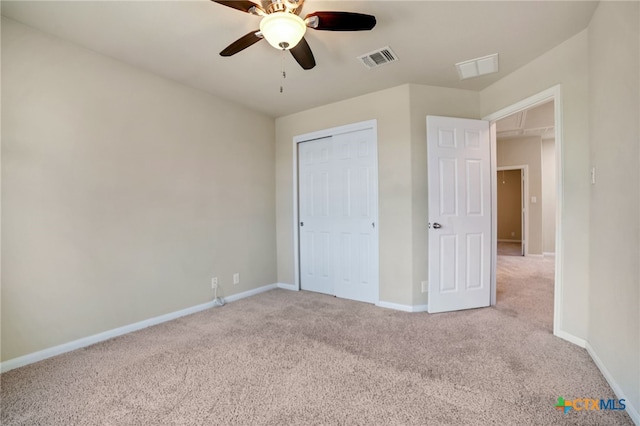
[(356, 203), (338, 199), (316, 219), (459, 213)]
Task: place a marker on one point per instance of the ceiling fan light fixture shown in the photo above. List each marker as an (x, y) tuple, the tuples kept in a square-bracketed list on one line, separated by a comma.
[(283, 30)]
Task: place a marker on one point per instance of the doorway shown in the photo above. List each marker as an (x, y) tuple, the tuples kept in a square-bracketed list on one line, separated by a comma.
[(512, 217), (530, 137)]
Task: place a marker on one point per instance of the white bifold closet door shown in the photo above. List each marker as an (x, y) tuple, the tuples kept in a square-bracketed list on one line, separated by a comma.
[(338, 214)]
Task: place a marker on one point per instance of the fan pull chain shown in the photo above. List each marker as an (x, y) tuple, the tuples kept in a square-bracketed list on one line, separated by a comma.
[(284, 73)]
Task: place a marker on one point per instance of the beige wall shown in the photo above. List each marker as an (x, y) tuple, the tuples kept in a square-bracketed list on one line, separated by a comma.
[(401, 116), (549, 196), (614, 89), (123, 194), (527, 151), (566, 64), (509, 205)]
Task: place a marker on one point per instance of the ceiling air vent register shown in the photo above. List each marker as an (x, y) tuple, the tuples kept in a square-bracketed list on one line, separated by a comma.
[(378, 57), (478, 66)]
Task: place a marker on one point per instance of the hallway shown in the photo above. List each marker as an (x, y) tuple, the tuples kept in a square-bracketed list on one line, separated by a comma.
[(525, 287)]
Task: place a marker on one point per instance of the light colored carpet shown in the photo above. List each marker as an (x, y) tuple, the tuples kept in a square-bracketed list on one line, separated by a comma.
[(509, 249), (301, 358), (525, 289)]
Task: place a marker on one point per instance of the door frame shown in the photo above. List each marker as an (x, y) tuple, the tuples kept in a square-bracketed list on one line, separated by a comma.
[(552, 94), (362, 125), (524, 170)]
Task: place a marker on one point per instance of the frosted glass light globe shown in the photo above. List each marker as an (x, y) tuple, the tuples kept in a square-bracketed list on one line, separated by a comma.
[(283, 30)]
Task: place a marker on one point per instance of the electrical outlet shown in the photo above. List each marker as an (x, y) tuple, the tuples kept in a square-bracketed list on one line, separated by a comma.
[(425, 286), (214, 283), (236, 278)]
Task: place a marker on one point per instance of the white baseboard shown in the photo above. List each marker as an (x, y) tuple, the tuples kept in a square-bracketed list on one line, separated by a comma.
[(403, 308), (509, 241), (291, 287), (535, 255), (249, 293), (420, 308), (630, 409), (570, 338), (549, 254), (109, 334)]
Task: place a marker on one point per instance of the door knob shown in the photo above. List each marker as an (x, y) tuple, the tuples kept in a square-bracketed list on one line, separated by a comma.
[(436, 225)]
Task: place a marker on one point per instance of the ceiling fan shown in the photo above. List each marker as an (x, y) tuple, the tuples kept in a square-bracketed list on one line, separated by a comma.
[(284, 29)]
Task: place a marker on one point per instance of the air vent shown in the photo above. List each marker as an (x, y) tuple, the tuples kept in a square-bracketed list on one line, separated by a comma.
[(378, 57), (478, 66)]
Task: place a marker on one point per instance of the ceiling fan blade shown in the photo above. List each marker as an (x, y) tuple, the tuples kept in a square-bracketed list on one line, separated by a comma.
[(340, 21), (303, 55), (241, 43), (243, 5)]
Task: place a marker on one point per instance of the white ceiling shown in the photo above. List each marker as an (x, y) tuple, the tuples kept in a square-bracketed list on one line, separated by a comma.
[(536, 121), (180, 40)]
